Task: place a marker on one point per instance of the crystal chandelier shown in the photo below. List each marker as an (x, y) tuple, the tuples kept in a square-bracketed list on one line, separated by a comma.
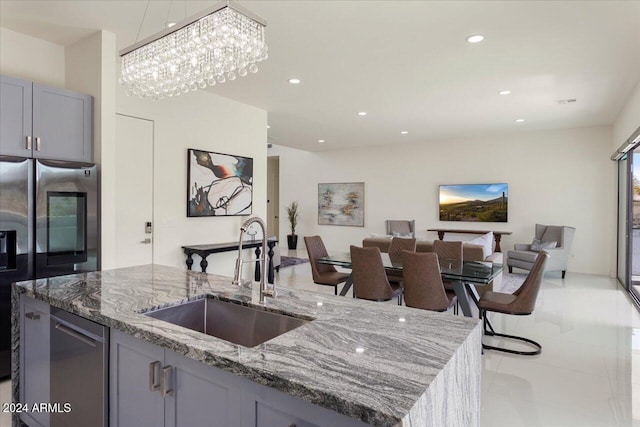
[(214, 46)]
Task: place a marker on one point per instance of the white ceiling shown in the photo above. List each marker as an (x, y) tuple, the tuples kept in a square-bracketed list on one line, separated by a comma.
[(405, 63)]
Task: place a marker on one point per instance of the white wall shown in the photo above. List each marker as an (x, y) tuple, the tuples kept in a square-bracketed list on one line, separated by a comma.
[(205, 121), (628, 119), (29, 58), (90, 68), (554, 177)]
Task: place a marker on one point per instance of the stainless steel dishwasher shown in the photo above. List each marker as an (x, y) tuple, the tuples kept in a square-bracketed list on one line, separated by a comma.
[(79, 371)]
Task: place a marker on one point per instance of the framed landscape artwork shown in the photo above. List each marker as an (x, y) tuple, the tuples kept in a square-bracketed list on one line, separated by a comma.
[(218, 184), (474, 202), (341, 204)]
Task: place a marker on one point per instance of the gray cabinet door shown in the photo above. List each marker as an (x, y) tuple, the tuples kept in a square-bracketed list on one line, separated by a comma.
[(191, 393), (200, 395), (266, 407), (15, 116), (135, 364), (268, 416), (62, 124), (34, 359)]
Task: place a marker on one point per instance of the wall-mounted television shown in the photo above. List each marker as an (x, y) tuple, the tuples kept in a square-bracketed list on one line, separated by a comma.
[(474, 202)]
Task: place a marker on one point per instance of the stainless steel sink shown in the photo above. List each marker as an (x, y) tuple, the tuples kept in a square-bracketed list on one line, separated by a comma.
[(239, 324)]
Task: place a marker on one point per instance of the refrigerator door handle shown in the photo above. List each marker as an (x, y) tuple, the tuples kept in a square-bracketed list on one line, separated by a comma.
[(28, 145), (38, 141)]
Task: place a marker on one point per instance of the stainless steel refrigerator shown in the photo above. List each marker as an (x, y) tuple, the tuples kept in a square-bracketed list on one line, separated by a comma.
[(48, 227)]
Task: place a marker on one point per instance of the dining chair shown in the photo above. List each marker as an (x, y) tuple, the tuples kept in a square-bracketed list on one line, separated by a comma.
[(423, 287), (450, 250), (369, 277), (397, 245), (323, 274), (520, 303), (447, 250)]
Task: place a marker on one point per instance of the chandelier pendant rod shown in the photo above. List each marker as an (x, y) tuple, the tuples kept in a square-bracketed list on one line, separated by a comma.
[(190, 20)]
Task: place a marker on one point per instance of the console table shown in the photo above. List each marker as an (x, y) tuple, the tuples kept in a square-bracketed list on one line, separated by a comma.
[(497, 235), (205, 250)]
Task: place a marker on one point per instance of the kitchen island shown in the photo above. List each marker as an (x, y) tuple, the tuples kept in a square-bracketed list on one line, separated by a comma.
[(367, 362)]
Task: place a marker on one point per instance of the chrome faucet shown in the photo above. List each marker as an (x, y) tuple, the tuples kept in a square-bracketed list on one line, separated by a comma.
[(236, 276)]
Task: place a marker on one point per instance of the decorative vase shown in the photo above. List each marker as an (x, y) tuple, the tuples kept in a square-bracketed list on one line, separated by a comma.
[(292, 241)]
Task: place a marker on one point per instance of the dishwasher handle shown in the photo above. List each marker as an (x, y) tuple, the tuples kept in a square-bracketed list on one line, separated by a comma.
[(75, 334)]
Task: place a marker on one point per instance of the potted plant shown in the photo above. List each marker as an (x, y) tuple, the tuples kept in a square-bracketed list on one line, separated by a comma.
[(293, 213)]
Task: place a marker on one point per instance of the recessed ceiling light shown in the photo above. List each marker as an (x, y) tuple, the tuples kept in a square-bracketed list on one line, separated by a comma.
[(404, 132), (268, 127), (519, 120), (295, 81), (170, 24), (321, 141), (362, 113), (359, 350), (504, 92), (402, 319), (475, 38), (319, 304)]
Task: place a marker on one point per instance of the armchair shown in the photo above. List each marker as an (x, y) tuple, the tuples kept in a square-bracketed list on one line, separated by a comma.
[(524, 255), (403, 227)]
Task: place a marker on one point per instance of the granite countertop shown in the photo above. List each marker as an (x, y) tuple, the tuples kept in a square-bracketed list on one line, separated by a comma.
[(401, 350)]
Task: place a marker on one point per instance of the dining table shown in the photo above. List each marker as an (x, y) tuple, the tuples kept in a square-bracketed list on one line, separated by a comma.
[(463, 275)]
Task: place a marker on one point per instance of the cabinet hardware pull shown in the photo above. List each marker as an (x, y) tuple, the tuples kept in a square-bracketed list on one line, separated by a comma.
[(28, 147), (166, 391), (32, 316), (38, 140), (153, 366), (292, 425)]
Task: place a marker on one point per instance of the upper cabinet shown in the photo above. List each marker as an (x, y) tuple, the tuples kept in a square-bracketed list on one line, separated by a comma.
[(44, 122), (15, 116)]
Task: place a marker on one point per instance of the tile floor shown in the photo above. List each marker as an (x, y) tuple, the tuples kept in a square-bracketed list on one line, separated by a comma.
[(587, 375)]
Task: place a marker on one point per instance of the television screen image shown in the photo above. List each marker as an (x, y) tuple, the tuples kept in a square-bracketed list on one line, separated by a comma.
[(474, 202)]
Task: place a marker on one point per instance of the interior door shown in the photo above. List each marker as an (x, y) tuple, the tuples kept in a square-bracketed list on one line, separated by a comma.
[(134, 191)]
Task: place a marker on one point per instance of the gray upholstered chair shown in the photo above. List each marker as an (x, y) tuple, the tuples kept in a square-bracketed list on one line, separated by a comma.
[(520, 303), (524, 255), (401, 227)]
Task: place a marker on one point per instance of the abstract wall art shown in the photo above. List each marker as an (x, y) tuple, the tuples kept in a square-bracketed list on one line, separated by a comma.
[(218, 184), (474, 202), (341, 204)]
